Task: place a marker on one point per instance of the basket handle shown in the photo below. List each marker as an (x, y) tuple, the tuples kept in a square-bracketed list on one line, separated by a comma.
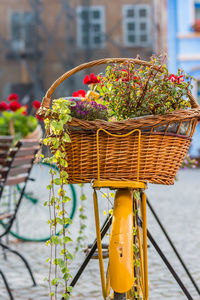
[(47, 98)]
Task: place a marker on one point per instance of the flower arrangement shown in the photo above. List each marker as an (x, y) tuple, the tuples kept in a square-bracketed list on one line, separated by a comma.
[(128, 92), (89, 110), (14, 119)]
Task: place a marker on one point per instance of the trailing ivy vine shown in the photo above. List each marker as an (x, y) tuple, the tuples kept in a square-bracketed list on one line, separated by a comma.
[(82, 217), (57, 136)]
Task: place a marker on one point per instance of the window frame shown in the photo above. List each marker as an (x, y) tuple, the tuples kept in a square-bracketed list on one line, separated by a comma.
[(24, 42), (128, 20), (91, 34)]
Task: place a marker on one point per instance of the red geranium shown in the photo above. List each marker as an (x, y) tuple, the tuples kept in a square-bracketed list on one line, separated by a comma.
[(79, 93), (3, 106), (13, 97), (173, 78), (177, 79), (38, 117), (180, 78), (36, 104), (14, 105), (90, 79)]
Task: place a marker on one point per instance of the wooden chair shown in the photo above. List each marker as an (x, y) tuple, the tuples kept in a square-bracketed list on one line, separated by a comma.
[(15, 167)]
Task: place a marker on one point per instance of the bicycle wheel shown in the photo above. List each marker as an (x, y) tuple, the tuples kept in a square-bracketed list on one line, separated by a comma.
[(119, 296), (32, 217)]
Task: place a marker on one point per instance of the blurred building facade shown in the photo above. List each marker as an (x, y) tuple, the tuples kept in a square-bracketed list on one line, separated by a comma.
[(41, 39), (183, 47)]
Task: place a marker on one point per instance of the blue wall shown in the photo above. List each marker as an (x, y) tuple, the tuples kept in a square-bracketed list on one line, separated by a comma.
[(179, 14)]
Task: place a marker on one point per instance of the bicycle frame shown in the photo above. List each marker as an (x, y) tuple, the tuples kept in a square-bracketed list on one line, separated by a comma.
[(121, 243), (120, 274)]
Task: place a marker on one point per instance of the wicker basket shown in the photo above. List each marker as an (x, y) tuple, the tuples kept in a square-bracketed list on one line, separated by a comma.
[(161, 142)]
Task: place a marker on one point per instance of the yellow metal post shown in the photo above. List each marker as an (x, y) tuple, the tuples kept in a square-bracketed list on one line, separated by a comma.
[(144, 229), (99, 246)]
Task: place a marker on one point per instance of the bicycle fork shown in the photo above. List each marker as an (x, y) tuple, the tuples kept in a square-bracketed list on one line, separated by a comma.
[(120, 274), (121, 243)]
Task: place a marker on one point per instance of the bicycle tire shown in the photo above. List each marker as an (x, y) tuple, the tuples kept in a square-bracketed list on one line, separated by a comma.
[(34, 201), (119, 296)]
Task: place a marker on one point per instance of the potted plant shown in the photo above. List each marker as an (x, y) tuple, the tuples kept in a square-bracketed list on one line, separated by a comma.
[(146, 98), (15, 120)]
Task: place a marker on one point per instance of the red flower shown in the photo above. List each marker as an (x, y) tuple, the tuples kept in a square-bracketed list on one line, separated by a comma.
[(173, 78), (13, 97), (86, 79), (79, 93), (36, 104), (14, 105), (180, 78), (24, 113), (90, 79), (125, 79), (137, 80), (94, 79), (38, 117), (3, 106)]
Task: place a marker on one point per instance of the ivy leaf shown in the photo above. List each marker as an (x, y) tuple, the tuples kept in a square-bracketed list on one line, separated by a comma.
[(57, 125), (83, 197), (66, 239), (136, 195), (66, 199), (57, 181)]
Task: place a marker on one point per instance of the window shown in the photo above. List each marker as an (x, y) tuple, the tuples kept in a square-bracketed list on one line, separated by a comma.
[(197, 9), (22, 32), (90, 27), (198, 92), (136, 25)]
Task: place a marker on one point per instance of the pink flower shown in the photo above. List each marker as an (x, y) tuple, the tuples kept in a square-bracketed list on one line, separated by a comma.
[(13, 97), (79, 93), (14, 105), (36, 104), (3, 106)]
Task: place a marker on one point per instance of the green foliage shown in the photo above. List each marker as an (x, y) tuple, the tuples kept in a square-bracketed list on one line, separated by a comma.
[(56, 139), (82, 217), (22, 124), (132, 92)]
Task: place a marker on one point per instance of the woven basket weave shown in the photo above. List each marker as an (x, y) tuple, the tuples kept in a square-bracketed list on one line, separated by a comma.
[(164, 142)]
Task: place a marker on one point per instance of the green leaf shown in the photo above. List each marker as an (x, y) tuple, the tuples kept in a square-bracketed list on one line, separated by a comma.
[(66, 199), (136, 195), (57, 125), (67, 239), (57, 181), (83, 197)]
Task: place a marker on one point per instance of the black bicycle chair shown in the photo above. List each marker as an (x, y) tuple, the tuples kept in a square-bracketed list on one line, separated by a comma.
[(15, 166)]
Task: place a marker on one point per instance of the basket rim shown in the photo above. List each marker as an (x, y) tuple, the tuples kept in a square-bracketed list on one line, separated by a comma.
[(139, 122)]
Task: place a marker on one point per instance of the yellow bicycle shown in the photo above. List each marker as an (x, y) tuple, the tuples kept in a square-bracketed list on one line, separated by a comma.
[(127, 272)]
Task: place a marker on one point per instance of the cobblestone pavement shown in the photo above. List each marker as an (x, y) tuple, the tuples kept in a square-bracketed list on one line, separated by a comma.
[(179, 209)]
